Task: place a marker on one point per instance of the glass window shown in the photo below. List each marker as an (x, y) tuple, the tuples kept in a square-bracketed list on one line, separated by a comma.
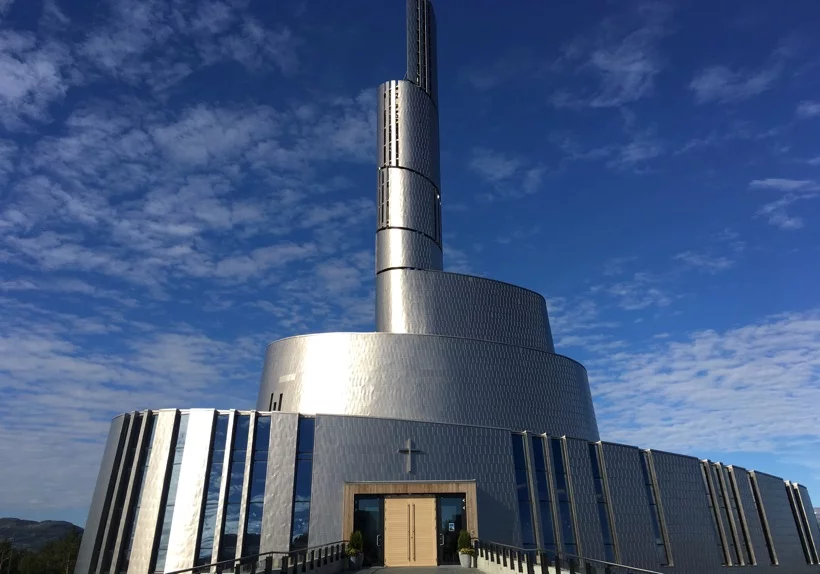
[(562, 494), (131, 519), (726, 517), (544, 497), (654, 511), (302, 483), (256, 496), (761, 513), (603, 509), (208, 522), (522, 488), (167, 510), (261, 439), (236, 478)]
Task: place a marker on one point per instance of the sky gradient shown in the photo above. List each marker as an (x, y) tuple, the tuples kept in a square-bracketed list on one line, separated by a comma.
[(183, 182)]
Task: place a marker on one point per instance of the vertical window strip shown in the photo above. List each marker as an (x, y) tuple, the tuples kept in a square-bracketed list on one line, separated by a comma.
[(764, 521), (133, 515), (604, 516), (522, 487), (726, 513), (543, 494), (740, 515), (119, 502), (166, 516), (300, 524), (108, 508), (256, 489), (207, 522), (559, 470), (801, 508), (233, 499), (713, 506), (793, 503), (661, 545), (396, 120)]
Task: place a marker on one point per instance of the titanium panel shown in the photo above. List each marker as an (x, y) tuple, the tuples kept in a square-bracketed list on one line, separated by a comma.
[(365, 449), (689, 521), (430, 378), (747, 501), (223, 484), (454, 305), (814, 529), (409, 201), (585, 504), (104, 478), (407, 133), (630, 508), (400, 248), (193, 475), (781, 522), (246, 480), (152, 491), (279, 483), (421, 46)]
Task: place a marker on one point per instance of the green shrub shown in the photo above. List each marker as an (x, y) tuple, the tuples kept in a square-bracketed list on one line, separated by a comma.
[(356, 541), (464, 540)]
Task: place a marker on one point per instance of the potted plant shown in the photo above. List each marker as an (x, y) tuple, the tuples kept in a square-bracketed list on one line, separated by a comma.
[(354, 550), (465, 549)]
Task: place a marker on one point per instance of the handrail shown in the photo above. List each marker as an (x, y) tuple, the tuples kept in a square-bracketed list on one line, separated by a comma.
[(485, 545), (255, 557)]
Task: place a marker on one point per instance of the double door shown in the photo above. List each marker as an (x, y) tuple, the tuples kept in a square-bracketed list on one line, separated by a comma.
[(410, 531)]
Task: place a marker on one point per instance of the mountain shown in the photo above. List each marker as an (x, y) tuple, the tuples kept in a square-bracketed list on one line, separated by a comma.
[(32, 535)]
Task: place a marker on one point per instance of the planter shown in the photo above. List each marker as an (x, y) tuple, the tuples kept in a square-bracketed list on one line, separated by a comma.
[(466, 560), (354, 562)]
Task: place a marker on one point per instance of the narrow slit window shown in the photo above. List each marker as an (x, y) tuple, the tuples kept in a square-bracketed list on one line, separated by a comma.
[(166, 516), (608, 538), (522, 487), (661, 546), (713, 507), (565, 511), (764, 521), (739, 516), (804, 543)]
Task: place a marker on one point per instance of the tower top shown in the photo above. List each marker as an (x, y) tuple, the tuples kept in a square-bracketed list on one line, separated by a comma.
[(421, 47)]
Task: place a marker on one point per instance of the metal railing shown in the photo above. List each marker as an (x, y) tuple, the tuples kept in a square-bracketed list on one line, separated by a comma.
[(526, 559), (276, 561)]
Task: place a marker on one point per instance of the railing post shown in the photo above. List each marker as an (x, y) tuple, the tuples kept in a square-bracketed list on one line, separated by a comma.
[(237, 568), (268, 564), (589, 568), (295, 562), (572, 566), (608, 569), (253, 565), (530, 567), (283, 568), (476, 550), (503, 557)]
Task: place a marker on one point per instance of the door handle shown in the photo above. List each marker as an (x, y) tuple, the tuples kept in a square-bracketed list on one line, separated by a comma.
[(442, 539), (378, 540)]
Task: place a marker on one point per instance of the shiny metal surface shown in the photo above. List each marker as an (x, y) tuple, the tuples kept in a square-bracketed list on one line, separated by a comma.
[(279, 483), (246, 479), (92, 533), (223, 485), (403, 248), (811, 518), (152, 490), (409, 200), (421, 46), (439, 303), (190, 490), (120, 476), (430, 378)]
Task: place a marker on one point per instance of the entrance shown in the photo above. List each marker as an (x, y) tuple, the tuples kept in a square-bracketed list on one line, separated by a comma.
[(452, 520), (410, 532), (367, 519)]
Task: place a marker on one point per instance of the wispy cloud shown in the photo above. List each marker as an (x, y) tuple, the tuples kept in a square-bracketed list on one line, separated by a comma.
[(808, 109), (722, 84), (704, 261), (641, 291), (507, 176), (794, 190), (622, 55), (709, 384)]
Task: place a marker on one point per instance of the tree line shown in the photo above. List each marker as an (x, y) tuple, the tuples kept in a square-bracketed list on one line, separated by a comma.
[(57, 557)]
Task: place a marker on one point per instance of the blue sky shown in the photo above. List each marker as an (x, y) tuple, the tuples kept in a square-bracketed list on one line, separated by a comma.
[(183, 182)]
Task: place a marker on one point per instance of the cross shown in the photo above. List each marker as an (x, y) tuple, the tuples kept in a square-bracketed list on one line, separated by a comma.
[(409, 451)]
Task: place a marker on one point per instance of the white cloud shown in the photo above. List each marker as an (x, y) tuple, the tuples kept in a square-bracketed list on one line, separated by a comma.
[(808, 109), (794, 190), (622, 54), (721, 84), (642, 291), (775, 213), (779, 184), (704, 261), (709, 385), (509, 177)]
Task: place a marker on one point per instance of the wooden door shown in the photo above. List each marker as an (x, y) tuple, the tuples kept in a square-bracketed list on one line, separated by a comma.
[(410, 532)]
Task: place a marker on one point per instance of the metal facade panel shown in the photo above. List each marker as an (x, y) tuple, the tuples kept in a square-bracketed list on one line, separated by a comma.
[(363, 449), (438, 303), (747, 501), (421, 45), (781, 522), (190, 495), (95, 512), (689, 521), (279, 483), (810, 516), (630, 506), (585, 505), (432, 378), (397, 248), (152, 491), (411, 202)]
